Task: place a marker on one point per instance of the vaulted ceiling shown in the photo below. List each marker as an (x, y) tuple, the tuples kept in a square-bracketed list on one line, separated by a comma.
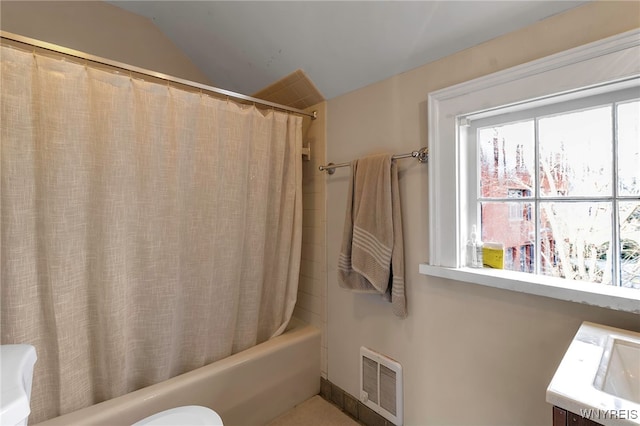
[(245, 46)]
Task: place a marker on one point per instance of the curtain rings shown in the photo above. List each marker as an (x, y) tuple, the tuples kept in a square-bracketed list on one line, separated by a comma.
[(35, 57)]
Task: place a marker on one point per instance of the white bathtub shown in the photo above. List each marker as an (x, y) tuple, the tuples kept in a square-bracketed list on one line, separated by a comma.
[(248, 388)]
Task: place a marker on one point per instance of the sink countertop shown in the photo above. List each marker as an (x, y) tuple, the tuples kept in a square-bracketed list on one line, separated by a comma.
[(574, 386)]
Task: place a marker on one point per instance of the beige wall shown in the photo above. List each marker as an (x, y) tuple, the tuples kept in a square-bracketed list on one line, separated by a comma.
[(100, 29), (311, 305), (471, 354)]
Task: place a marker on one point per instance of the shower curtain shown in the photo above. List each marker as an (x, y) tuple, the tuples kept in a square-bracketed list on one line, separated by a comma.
[(146, 230)]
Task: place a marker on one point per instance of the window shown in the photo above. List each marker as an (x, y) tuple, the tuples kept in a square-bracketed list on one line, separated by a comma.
[(574, 167), (517, 211), (543, 158)]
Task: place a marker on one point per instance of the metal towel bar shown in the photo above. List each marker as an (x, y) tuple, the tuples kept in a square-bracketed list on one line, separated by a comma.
[(422, 155)]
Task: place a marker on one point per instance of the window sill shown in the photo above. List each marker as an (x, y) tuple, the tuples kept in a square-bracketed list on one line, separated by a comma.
[(617, 298)]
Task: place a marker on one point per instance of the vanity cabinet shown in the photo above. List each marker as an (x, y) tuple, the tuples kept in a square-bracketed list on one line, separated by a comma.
[(562, 417)]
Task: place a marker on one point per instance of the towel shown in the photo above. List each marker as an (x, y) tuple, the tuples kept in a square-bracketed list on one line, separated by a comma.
[(372, 255)]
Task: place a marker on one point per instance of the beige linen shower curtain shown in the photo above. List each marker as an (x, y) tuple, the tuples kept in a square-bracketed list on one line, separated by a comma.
[(146, 230)]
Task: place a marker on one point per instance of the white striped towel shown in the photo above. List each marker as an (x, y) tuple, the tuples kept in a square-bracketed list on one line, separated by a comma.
[(372, 255)]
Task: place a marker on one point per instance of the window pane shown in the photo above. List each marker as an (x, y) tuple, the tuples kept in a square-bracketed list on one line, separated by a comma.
[(512, 224), (575, 240), (576, 153), (629, 148), (630, 243), (506, 158)]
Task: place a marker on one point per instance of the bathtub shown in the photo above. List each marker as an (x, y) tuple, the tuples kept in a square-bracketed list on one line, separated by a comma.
[(249, 388)]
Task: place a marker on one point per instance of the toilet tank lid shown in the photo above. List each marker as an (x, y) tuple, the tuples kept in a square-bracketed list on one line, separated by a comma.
[(16, 361)]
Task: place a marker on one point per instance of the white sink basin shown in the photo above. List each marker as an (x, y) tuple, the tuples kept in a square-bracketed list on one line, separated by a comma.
[(599, 376), (619, 371)]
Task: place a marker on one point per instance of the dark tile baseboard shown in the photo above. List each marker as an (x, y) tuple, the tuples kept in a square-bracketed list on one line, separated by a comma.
[(351, 405)]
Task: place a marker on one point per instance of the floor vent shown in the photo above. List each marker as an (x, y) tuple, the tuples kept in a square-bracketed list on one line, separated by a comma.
[(381, 384)]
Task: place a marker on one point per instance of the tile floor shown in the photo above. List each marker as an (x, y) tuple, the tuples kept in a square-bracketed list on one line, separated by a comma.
[(315, 411)]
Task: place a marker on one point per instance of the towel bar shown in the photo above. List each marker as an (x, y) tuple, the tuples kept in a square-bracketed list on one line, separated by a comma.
[(422, 155)]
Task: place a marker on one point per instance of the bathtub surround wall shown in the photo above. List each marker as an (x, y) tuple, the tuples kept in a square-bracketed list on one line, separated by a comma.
[(470, 354), (295, 90), (311, 305)]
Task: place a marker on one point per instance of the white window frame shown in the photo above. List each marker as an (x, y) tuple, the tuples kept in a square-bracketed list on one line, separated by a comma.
[(611, 59)]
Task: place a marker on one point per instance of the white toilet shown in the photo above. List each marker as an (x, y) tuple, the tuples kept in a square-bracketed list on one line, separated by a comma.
[(16, 368), (16, 374)]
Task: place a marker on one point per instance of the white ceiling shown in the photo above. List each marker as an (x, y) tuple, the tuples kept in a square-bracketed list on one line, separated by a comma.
[(244, 46)]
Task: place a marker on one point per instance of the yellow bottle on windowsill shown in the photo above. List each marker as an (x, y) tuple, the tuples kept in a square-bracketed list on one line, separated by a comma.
[(493, 255)]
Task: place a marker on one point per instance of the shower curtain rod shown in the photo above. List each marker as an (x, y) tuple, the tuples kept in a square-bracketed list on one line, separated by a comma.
[(422, 155), (131, 68)]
